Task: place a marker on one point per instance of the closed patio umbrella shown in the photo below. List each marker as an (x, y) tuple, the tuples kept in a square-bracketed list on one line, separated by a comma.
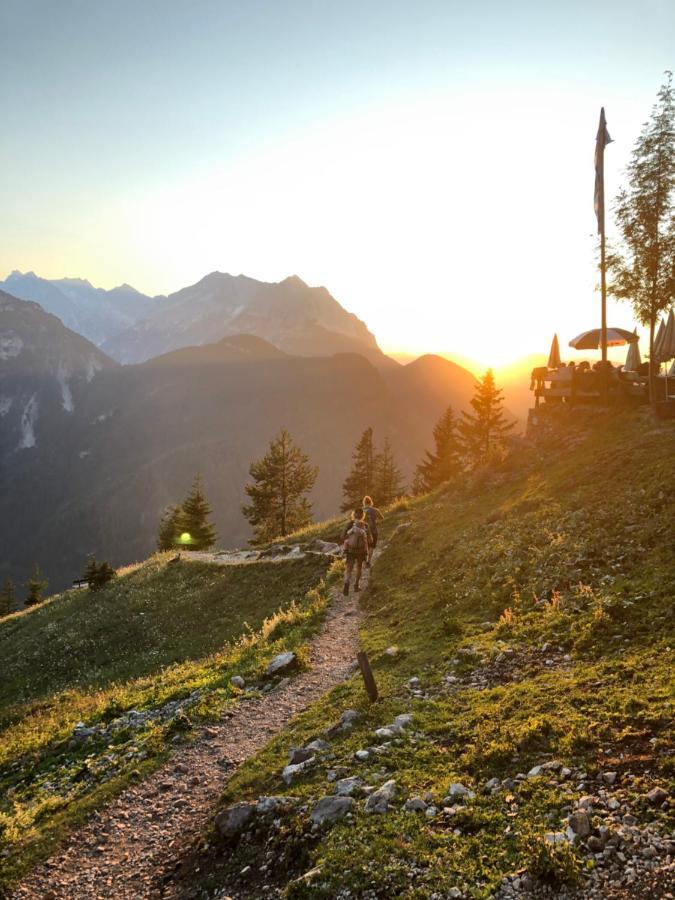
[(666, 349), (667, 346), (554, 355), (590, 340), (658, 339), (633, 361)]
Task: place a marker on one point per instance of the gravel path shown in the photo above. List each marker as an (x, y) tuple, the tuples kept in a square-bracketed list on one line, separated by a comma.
[(123, 850)]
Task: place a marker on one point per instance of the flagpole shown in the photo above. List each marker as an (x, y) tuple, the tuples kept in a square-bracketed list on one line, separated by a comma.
[(601, 224)]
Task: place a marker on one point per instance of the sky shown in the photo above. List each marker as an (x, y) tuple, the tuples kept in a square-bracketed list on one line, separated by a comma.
[(430, 163)]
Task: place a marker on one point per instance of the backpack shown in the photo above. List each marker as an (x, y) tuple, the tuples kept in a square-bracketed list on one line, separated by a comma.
[(356, 540)]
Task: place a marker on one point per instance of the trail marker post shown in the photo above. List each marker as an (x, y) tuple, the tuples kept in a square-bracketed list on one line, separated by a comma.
[(368, 678)]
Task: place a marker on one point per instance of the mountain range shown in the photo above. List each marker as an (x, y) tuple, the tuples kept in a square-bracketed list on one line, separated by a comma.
[(91, 451)]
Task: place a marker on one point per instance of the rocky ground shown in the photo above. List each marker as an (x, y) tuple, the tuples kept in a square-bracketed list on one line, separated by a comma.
[(125, 850)]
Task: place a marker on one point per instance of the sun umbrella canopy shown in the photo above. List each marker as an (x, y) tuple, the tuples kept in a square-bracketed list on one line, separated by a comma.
[(590, 340), (554, 355), (666, 349), (633, 361)]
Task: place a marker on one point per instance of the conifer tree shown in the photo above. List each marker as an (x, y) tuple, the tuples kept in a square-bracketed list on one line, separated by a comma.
[(98, 574), (281, 480), (169, 529), (35, 586), (644, 267), (193, 518), (444, 463), (483, 432), (7, 598), (360, 480), (387, 478)]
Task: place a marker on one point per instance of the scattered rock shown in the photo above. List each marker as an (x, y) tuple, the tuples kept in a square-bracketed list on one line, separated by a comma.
[(349, 716), (295, 771), (535, 772), (609, 777), (657, 796), (459, 790), (266, 805), (233, 820), (318, 746), (330, 809), (556, 837), (281, 663), (299, 755), (379, 800), (580, 824), (345, 787), (237, 681), (362, 755), (403, 720), (415, 804)]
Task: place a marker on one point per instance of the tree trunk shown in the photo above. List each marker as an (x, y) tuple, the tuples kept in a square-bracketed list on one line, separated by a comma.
[(652, 375)]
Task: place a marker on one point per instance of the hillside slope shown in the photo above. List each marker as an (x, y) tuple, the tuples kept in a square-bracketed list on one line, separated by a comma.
[(97, 687), (526, 624)]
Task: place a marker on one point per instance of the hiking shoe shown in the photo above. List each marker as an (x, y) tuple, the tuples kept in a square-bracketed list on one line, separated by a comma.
[(345, 589)]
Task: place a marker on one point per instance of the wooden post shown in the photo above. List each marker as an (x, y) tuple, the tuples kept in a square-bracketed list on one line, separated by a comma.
[(368, 679)]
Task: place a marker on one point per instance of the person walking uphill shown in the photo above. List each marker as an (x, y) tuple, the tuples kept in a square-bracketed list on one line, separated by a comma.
[(372, 516), (355, 541)]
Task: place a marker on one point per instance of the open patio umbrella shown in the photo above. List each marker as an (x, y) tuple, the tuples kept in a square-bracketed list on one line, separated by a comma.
[(633, 360), (590, 340), (554, 355)]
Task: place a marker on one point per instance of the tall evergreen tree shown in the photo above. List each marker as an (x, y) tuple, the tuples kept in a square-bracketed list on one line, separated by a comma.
[(193, 518), (7, 598), (281, 481), (483, 432), (361, 479), (644, 268), (169, 529), (35, 586), (444, 463), (387, 478)]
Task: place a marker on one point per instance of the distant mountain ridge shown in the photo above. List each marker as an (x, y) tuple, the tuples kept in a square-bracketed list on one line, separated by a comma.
[(298, 319), (131, 327), (92, 451), (93, 312)]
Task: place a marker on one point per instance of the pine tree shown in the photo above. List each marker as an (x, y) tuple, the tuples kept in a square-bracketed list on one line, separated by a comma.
[(193, 518), (644, 269), (7, 598), (35, 586), (98, 574), (445, 463), (360, 481), (169, 529), (281, 479), (483, 432), (387, 478)]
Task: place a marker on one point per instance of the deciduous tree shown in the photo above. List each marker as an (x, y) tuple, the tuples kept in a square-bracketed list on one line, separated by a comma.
[(643, 268)]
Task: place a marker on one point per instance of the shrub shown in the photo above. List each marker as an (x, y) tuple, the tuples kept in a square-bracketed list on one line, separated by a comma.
[(555, 864)]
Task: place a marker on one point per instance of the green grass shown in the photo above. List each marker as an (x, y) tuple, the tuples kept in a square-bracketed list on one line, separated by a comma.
[(157, 634), (585, 520)]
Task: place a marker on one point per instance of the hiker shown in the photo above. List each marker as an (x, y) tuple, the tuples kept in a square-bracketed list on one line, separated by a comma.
[(355, 541), (372, 515)]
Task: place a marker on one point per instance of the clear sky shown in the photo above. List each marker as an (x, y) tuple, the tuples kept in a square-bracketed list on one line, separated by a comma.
[(430, 162)]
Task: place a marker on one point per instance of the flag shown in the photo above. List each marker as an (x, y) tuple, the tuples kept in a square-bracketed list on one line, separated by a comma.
[(601, 141)]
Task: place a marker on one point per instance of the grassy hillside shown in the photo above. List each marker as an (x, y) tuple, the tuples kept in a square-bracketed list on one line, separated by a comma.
[(525, 620), (95, 687)]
